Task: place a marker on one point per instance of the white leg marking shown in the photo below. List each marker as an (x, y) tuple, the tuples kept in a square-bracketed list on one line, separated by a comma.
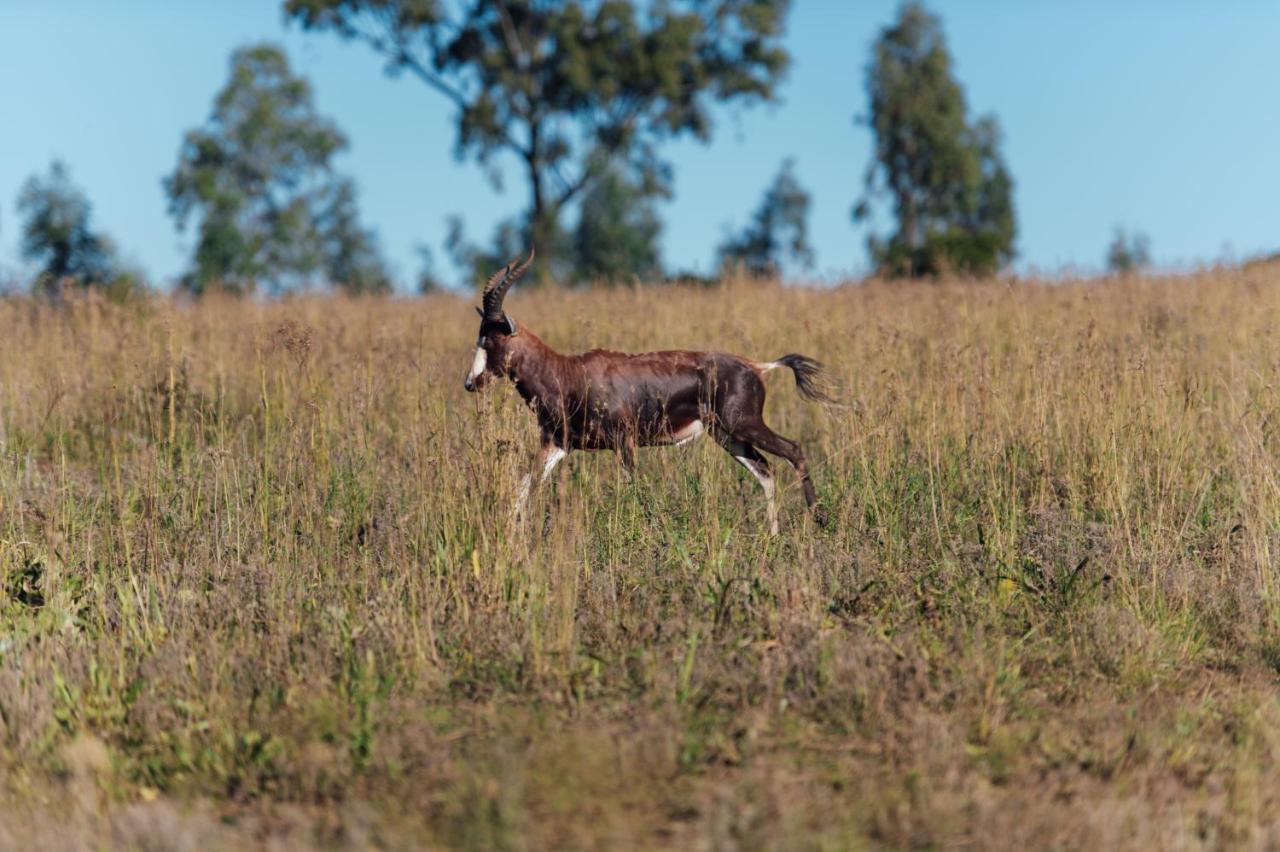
[(688, 434), (526, 485), (478, 364), (550, 461), (550, 458), (766, 482)]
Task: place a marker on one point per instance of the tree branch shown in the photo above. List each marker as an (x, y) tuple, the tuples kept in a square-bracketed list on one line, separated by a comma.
[(402, 55), (569, 189), (572, 189), (510, 36), (432, 79)]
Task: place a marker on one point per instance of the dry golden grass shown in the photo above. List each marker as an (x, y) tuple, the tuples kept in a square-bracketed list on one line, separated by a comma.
[(257, 586)]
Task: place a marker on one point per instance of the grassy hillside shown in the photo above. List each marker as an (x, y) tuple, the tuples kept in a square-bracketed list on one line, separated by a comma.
[(257, 583)]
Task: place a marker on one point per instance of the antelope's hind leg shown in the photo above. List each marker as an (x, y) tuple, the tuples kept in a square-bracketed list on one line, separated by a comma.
[(750, 458), (760, 436)]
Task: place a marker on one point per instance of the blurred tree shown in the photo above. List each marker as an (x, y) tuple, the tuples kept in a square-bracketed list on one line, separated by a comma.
[(1128, 252), (952, 196), (57, 233), (350, 252), (616, 237), (259, 179), (778, 231), (428, 280), (569, 86), (479, 263)]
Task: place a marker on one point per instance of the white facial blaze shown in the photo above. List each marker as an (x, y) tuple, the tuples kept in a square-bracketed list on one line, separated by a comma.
[(478, 364)]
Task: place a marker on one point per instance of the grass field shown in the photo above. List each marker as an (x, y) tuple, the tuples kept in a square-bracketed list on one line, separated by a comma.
[(257, 585)]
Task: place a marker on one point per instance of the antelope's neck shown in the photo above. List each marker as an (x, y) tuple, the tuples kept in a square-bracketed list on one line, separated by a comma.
[(536, 369)]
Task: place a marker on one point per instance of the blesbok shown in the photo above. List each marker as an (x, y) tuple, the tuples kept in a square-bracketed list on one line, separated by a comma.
[(612, 400)]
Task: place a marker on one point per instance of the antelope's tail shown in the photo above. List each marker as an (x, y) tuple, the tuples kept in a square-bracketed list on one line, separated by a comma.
[(810, 376)]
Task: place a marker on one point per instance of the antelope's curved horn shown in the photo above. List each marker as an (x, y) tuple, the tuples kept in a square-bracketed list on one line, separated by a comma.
[(496, 288)]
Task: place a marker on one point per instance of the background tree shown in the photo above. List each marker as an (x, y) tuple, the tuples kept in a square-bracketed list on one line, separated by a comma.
[(569, 86), (58, 235), (951, 193), (350, 252), (616, 237), (258, 177), (1128, 252), (428, 279), (778, 231), (479, 263)]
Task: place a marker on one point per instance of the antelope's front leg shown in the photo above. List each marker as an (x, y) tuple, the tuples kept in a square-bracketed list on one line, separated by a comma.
[(627, 455), (548, 458)]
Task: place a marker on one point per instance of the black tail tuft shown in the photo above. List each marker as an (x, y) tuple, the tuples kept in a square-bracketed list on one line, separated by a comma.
[(809, 377)]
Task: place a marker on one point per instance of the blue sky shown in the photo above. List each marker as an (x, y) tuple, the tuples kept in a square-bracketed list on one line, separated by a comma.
[(1159, 116)]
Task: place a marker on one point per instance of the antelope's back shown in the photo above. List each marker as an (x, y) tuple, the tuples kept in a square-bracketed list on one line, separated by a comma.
[(661, 392), (651, 392)]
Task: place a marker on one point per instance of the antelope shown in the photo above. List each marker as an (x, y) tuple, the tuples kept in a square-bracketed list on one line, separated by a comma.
[(604, 400)]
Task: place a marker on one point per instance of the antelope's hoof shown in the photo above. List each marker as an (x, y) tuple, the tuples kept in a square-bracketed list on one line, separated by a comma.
[(820, 518)]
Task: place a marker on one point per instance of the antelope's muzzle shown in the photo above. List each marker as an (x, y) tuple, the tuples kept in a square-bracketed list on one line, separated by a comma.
[(478, 364)]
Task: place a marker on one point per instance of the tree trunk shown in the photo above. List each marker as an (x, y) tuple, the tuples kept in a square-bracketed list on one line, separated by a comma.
[(540, 226)]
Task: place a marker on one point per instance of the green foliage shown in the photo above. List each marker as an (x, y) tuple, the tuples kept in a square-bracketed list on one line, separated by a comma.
[(616, 237), (1128, 252), (569, 87), (428, 280), (478, 262), (350, 251), (951, 193), (778, 230), (58, 235), (259, 179)]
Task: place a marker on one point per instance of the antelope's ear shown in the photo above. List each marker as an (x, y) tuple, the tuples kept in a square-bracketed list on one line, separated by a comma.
[(511, 325), (480, 312)]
